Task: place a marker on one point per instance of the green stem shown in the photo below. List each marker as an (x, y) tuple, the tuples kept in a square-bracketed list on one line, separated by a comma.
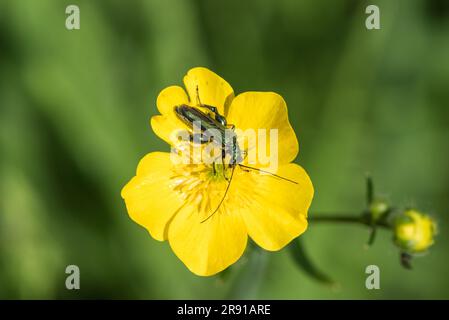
[(336, 218)]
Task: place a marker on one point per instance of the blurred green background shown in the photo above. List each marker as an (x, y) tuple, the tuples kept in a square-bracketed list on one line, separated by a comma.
[(74, 122)]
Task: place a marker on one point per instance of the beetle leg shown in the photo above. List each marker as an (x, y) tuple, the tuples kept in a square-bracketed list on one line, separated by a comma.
[(198, 96), (210, 108), (223, 160)]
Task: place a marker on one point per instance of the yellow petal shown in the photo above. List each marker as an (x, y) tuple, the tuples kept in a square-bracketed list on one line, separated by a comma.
[(209, 247), (414, 231), (167, 127), (274, 210), (150, 200), (264, 110), (212, 89), (169, 98)]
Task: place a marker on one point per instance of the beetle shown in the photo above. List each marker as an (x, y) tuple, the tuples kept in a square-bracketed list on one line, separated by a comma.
[(191, 115), (229, 146)]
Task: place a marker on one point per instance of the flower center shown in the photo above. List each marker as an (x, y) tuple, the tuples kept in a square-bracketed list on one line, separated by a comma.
[(200, 185)]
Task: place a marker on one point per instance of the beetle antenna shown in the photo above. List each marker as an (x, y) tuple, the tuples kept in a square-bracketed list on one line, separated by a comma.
[(198, 96), (224, 196), (267, 172)]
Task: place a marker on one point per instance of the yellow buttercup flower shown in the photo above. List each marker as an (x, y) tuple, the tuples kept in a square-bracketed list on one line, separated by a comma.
[(174, 201), (414, 232)]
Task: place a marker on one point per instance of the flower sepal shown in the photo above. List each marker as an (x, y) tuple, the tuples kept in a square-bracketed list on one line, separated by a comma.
[(377, 210)]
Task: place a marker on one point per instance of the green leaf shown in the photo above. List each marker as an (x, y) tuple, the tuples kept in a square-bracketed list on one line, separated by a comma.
[(303, 261)]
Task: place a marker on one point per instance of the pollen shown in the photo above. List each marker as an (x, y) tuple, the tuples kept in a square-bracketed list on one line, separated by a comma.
[(201, 186)]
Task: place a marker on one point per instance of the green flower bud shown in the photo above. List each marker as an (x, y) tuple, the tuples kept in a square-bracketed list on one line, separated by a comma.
[(378, 209), (414, 231)]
